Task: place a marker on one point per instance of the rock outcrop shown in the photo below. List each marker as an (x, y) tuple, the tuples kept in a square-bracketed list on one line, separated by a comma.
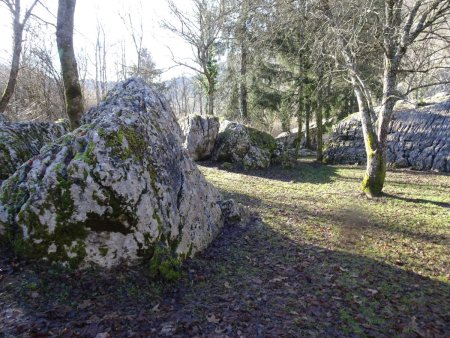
[(244, 146), (118, 188), (200, 135), (418, 138), (20, 141)]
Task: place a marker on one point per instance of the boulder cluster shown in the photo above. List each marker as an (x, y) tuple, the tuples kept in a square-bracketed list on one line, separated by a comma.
[(231, 143), (123, 186), (117, 189), (418, 138)]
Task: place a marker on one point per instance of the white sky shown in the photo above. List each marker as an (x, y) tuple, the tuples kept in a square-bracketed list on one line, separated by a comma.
[(89, 12)]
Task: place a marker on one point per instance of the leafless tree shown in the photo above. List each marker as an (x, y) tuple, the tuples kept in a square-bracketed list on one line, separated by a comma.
[(18, 27), (137, 35), (101, 80), (184, 95), (201, 30), (395, 27)]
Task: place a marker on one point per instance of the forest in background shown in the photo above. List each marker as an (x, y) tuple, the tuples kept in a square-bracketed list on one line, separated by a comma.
[(271, 64), (266, 63)]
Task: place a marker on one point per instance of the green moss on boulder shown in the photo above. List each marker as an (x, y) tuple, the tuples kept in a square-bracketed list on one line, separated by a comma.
[(244, 146), (114, 190)]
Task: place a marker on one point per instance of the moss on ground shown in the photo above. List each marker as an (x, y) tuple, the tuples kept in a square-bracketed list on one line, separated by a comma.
[(164, 264)]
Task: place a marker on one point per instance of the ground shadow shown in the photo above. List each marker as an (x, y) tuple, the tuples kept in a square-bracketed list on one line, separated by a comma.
[(252, 281), (303, 171), (418, 200)]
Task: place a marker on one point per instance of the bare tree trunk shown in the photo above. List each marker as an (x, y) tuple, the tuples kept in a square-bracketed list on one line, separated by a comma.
[(17, 50), (298, 141), (319, 131), (243, 84), (210, 102), (211, 90), (201, 103), (64, 39), (307, 121), (97, 70), (373, 181), (9, 90), (104, 78)]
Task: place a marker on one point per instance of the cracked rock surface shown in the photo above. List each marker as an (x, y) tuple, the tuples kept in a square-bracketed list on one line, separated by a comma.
[(417, 138), (200, 135), (20, 141), (112, 190)]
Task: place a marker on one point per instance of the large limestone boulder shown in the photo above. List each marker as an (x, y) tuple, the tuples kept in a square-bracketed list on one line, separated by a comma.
[(118, 188), (244, 146), (20, 141), (417, 138), (200, 135)]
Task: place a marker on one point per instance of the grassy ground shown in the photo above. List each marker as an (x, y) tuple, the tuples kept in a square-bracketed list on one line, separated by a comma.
[(317, 259)]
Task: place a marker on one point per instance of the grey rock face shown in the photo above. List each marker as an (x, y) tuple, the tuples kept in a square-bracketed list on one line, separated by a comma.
[(113, 189), (232, 211), (417, 138), (289, 139), (20, 141), (3, 118), (200, 135), (244, 146), (283, 155)]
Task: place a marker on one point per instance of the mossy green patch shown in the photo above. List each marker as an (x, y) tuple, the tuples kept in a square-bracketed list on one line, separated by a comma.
[(165, 264), (262, 139), (126, 143), (103, 250), (87, 155), (6, 167)]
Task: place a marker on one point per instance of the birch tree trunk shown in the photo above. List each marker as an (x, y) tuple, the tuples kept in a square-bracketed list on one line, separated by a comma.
[(64, 39)]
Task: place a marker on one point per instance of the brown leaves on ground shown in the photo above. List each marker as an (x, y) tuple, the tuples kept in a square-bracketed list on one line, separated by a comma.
[(317, 259)]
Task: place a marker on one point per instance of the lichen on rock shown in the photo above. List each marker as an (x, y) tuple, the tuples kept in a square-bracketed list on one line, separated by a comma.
[(113, 189), (200, 135), (418, 138), (20, 141), (244, 146)]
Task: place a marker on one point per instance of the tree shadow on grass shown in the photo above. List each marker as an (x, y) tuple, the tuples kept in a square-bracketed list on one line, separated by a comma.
[(270, 285), (252, 281), (302, 171), (355, 222), (418, 200)]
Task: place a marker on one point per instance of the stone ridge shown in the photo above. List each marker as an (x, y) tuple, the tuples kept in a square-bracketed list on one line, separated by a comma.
[(118, 188), (20, 141), (417, 138)]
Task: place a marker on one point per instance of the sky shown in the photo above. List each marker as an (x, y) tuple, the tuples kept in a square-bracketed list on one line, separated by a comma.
[(88, 12)]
